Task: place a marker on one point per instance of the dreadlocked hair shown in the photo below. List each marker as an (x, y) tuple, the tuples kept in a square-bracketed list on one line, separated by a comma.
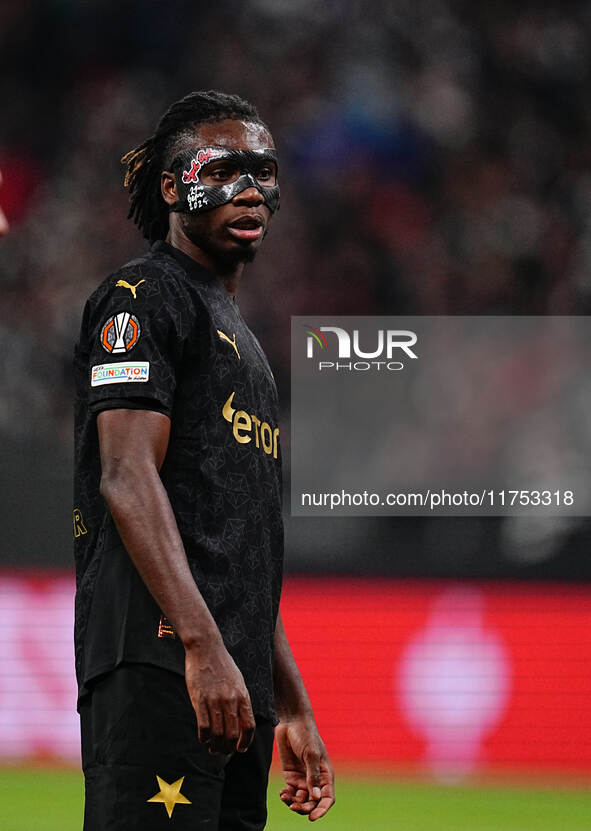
[(145, 163)]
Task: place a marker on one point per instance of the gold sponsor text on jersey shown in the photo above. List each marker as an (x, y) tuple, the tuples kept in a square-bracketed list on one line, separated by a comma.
[(245, 424)]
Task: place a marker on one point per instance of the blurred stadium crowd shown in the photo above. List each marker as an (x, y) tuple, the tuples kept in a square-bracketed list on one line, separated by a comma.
[(434, 159)]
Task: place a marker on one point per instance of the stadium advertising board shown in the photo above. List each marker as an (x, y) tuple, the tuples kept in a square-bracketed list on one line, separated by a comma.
[(447, 678)]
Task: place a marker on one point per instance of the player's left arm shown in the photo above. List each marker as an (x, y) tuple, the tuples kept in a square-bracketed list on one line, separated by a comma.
[(307, 770)]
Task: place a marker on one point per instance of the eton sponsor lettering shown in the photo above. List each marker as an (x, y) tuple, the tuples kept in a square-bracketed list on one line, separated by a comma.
[(245, 424)]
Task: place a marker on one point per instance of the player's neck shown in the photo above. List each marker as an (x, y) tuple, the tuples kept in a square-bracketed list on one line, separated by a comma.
[(230, 273)]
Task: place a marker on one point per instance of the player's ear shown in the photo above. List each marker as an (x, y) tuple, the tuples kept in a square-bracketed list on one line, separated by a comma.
[(168, 187)]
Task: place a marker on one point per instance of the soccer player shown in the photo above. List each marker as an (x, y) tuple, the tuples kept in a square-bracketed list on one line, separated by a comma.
[(183, 665), (3, 220)]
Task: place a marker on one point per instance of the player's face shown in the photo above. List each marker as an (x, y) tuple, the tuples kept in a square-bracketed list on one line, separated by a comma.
[(233, 232), (3, 222)]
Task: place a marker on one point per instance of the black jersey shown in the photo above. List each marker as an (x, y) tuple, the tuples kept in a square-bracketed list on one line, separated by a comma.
[(163, 334)]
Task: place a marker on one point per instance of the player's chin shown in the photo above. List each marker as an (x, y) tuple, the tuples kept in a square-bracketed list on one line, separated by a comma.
[(244, 252)]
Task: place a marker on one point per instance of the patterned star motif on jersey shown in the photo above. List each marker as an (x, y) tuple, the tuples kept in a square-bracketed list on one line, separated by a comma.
[(232, 343), (125, 285), (170, 795)]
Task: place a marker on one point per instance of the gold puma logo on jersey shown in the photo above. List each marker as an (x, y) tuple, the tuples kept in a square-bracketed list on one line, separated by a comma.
[(232, 343), (126, 285)]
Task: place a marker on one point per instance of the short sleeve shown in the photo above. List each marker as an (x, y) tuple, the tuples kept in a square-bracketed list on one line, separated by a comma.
[(132, 339)]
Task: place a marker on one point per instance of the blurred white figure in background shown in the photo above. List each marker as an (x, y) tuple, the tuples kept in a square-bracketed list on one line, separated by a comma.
[(3, 220), (37, 685), (453, 681)]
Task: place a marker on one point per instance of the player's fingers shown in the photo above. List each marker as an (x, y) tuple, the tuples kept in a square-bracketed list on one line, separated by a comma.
[(203, 723), (232, 731), (226, 742), (322, 807), (297, 799), (225, 730), (303, 808), (301, 795), (287, 794), (313, 777), (326, 801), (302, 802), (247, 726), (217, 729)]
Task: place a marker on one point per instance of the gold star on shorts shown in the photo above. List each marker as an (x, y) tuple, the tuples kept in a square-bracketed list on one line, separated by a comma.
[(170, 795)]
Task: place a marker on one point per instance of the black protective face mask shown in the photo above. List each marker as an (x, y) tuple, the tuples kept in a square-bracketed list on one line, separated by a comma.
[(249, 165)]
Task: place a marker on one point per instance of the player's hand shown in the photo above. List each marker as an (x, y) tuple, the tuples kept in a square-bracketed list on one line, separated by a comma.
[(225, 720), (308, 773)]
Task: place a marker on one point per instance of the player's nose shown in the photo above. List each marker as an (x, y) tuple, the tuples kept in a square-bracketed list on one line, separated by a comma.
[(249, 196)]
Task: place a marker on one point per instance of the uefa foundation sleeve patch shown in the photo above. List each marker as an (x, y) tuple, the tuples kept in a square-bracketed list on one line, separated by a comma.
[(119, 373)]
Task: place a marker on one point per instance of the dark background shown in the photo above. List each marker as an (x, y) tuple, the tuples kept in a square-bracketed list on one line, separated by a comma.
[(434, 159)]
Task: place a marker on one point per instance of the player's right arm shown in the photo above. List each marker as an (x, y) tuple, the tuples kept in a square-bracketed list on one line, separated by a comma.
[(133, 445)]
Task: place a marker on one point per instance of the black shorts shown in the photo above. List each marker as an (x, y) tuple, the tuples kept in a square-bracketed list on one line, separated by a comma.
[(145, 770)]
